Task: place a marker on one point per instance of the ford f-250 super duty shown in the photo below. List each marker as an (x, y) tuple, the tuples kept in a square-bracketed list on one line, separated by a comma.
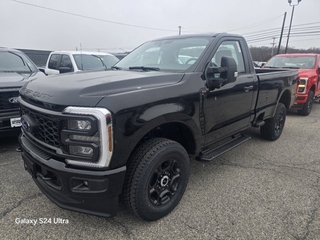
[(309, 77), (88, 138)]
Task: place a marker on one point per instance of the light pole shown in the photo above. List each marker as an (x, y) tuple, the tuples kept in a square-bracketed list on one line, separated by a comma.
[(281, 34), (292, 5)]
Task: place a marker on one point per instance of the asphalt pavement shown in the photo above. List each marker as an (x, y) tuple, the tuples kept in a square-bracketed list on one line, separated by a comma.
[(260, 190)]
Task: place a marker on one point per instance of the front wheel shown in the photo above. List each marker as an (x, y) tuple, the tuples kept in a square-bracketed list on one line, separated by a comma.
[(307, 107), (273, 127), (156, 178)]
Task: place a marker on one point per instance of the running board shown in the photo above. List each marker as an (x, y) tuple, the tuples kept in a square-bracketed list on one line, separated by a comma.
[(211, 154)]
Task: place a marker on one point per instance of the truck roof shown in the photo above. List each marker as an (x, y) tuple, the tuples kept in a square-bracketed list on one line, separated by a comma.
[(81, 52), (200, 35), (4, 49)]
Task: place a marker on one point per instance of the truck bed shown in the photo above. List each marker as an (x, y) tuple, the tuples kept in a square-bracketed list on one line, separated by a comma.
[(272, 83)]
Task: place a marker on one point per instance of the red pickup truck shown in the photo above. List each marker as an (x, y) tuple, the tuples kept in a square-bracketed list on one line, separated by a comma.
[(309, 70)]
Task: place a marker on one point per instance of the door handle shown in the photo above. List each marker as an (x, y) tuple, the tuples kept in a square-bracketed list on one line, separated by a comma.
[(248, 88)]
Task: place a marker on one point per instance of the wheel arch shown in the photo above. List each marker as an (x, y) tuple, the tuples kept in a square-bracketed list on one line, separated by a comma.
[(313, 88), (176, 131), (285, 98), (182, 129)]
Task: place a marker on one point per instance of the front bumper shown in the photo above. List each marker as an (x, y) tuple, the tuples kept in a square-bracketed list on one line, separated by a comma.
[(86, 191)]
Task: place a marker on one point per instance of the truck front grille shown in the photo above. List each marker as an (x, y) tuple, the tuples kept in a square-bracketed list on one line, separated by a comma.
[(8, 100), (48, 131)]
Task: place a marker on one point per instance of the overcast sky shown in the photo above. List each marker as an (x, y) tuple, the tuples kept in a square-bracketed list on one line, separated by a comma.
[(32, 27)]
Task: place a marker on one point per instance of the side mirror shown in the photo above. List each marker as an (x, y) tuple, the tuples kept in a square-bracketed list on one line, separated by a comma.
[(214, 82), (231, 69), (65, 70), (227, 72), (41, 69)]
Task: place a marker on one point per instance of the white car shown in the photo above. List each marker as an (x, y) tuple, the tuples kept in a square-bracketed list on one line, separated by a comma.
[(75, 61)]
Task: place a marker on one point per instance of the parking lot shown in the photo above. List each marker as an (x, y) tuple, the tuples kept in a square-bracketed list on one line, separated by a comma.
[(260, 190)]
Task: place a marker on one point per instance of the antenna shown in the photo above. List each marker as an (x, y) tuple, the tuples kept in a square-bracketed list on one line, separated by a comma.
[(81, 57)]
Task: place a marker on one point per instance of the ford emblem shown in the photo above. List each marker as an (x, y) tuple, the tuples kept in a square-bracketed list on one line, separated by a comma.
[(25, 124), (13, 100), (29, 124)]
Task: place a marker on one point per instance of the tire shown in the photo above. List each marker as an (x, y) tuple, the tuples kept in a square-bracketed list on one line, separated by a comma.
[(273, 127), (307, 107), (156, 178)]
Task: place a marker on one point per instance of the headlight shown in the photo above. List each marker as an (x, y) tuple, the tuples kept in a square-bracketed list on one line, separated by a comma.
[(89, 135), (79, 125), (302, 87)]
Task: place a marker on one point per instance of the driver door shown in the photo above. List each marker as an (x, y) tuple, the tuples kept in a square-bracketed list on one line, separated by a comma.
[(228, 109)]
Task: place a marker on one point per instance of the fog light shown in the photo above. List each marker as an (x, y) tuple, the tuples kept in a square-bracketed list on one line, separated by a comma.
[(79, 124), (80, 150)]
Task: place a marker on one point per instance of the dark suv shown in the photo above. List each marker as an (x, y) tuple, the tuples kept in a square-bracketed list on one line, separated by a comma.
[(15, 69)]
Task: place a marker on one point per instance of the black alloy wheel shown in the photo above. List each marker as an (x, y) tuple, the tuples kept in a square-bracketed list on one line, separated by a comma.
[(307, 107), (164, 182), (279, 123), (156, 179), (273, 127)]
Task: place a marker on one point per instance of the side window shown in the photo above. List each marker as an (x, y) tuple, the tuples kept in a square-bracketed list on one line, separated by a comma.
[(229, 49), (53, 62), (66, 62)]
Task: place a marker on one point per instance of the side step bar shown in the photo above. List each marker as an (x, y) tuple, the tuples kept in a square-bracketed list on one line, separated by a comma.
[(211, 154)]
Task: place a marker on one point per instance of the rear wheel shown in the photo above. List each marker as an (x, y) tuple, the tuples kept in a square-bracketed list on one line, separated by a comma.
[(156, 179), (307, 107), (273, 127)]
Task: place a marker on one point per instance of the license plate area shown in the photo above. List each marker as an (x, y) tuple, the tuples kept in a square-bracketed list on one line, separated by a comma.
[(15, 122)]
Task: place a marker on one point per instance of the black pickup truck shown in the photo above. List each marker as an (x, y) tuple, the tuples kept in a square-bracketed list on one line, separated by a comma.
[(89, 138), (15, 70)]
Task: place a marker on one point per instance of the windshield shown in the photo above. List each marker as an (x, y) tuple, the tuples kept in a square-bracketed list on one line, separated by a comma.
[(304, 62), (94, 62), (15, 62), (172, 54)]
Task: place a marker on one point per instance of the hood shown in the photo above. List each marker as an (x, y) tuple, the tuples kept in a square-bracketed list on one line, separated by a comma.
[(16, 79), (307, 73), (88, 88)]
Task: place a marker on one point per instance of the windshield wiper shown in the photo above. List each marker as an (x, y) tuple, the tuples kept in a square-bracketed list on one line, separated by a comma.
[(144, 68), (115, 67)]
